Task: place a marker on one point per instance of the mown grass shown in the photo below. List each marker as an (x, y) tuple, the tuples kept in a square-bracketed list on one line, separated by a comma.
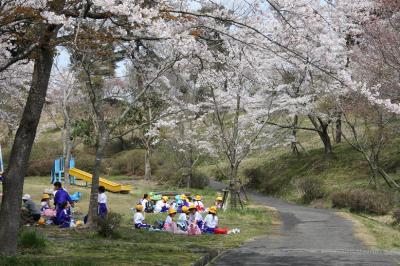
[(135, 247)]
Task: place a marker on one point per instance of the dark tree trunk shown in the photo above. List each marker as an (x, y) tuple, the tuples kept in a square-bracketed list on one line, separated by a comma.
[(338, 135), (93, 204), (322, 130), (326, 140), (19, 157), (295, 149)]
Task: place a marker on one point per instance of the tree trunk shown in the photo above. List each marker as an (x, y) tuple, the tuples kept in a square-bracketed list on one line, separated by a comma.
[(326, 140), (25, 136), (100, 147), (147, 163), (67, 141), (322, 130), (233, 189), (295, 149), (338, 135)]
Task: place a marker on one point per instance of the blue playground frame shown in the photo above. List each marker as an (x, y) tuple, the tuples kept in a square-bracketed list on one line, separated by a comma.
[(57, 172)]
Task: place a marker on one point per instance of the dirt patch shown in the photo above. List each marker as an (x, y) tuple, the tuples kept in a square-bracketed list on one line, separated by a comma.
[(360, 231)]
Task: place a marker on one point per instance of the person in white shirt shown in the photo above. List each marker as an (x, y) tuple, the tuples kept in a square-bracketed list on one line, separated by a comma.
[(194, 216), (211, 220), (198, 203), (169, 224), (162, 205), (138, 218), (102, 200)]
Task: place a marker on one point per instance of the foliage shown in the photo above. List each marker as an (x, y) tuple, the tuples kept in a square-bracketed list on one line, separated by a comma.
[(363, 201), (108, 226), (311, 189), (396, 216), (32, 240)]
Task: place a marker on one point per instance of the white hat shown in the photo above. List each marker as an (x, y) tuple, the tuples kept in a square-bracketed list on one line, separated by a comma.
[(26, 197)]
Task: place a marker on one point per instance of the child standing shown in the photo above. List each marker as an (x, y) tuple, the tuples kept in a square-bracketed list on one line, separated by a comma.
[(102, 200), (138, 218), (211, 220)]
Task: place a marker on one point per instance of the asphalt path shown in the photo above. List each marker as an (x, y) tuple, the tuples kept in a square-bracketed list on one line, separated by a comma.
[(307, 236)]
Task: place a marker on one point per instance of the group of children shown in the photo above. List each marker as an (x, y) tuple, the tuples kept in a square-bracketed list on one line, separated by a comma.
[(61, 213), (184, 214), (190, 219)]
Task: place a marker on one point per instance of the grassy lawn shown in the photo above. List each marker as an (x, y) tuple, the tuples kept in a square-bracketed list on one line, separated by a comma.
[(134, 247)]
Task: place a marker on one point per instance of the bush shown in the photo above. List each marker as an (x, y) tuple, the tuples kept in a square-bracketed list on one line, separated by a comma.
[(31, 239), (312, 189), (396, 217), (199, 180), (361, 200), (107, 226), (340, 199)]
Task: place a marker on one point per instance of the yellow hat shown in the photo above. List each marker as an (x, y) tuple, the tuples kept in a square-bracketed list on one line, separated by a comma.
[(213, 209), (79, 223), (183, 197), (185, 209), (171, 211), (45, 196), (219, 198), (165, 198), (191, 206), (41, 221), (198, 197), (139, 207)]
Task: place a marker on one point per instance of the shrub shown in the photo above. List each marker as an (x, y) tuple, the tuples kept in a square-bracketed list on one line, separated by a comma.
[(199, 180), (31, 239), (396, 216), (363, 200), (341, 199), (312, 189), (107, 226)]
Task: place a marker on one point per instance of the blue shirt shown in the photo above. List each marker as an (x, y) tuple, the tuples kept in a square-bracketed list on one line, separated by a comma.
[(60, 197)]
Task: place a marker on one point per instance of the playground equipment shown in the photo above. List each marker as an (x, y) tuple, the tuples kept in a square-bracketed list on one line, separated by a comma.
[(1, 165), (57, 172), (108, 185)]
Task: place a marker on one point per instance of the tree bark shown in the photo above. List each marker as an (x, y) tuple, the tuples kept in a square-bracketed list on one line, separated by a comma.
[(295, 149), (67, 140), (100, 147), (147, 163), (322, 130), (25, 136), (338, 135)]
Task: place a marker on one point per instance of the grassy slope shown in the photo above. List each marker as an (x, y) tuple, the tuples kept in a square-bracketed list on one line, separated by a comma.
[(135, 247)]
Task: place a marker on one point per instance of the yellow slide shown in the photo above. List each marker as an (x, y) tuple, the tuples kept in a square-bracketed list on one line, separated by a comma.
[(109, 185)]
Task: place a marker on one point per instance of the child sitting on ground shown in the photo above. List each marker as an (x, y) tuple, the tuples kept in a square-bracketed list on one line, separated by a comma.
[(102, 200), (138, 218), (211, 220), (64, 217), (219, 202), (162, 205), (195, 217), (198, 203), (45, 203), (169, 224), (29, 214), (182, 219)]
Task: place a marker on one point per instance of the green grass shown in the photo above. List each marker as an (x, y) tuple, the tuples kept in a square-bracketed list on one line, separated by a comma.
[(135, 247)]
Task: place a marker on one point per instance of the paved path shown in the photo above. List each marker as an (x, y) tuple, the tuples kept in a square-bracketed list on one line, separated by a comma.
[(307, 236)]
